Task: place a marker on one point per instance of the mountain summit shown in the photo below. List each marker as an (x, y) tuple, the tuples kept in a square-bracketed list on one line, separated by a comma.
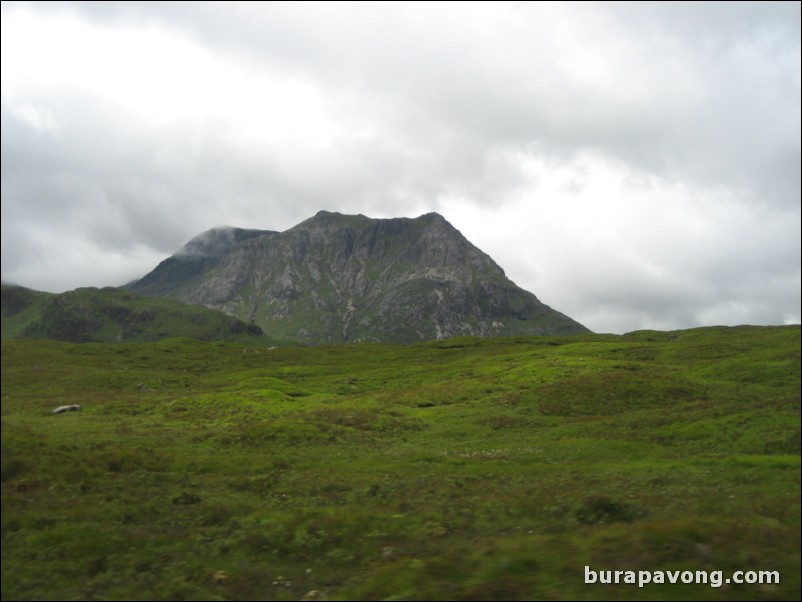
[(335, 278)]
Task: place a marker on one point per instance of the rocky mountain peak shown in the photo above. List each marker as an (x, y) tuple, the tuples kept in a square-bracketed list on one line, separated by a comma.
[(337, 277)]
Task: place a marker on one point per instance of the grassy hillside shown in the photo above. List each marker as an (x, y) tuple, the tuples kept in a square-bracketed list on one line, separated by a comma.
[(467, 469), (111, 315)]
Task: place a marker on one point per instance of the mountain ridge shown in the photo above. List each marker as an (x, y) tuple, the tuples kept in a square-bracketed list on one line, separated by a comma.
[(113, 315), (340, 278)]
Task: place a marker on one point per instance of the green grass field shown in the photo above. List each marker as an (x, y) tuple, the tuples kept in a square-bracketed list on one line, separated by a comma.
[(466, 469)]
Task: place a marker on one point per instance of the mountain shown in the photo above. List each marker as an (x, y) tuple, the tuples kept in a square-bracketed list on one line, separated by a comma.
[(113, 315), (336, 278)]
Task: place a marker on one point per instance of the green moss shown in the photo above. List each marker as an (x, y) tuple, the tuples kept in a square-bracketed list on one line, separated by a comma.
[(460, 469)]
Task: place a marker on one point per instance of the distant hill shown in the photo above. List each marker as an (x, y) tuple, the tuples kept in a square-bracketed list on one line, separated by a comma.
[(338, 278), (113, 315)]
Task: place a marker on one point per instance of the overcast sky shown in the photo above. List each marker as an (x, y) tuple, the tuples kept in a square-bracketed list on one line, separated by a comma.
[(635, 165)]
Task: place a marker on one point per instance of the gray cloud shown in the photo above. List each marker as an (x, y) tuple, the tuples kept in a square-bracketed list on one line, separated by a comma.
[(633, 164)]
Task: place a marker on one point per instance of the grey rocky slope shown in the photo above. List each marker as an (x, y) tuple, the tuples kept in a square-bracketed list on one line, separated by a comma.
[(335, 278)]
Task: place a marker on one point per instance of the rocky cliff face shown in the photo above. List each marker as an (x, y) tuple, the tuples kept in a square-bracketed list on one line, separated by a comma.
[(336, 278)]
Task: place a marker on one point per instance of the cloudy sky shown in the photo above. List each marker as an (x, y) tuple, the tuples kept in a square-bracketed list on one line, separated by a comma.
[(635, 165)]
